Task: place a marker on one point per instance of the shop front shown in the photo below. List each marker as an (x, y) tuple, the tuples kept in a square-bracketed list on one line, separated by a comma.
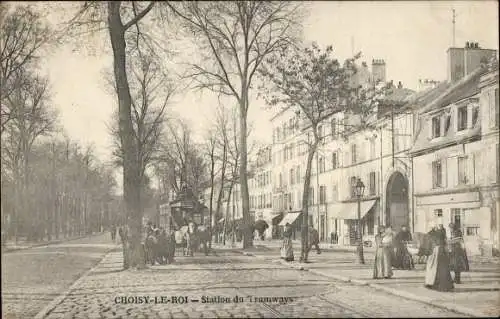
[(462, 209), (292, 218), (347, 215)]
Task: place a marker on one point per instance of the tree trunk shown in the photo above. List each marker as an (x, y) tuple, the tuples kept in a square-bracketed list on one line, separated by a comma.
[(212, 178), (131, 173), (305, 203), (221, 189), (247, 232)]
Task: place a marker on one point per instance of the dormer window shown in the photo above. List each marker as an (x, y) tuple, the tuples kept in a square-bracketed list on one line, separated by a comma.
[(461, 118), (436, 126), (447, 122)]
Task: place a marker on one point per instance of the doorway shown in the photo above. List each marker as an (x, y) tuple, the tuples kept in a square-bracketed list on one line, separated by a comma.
[(396, 210)]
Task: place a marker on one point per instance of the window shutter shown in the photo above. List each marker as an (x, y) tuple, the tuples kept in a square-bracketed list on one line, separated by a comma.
[(444, 172), (471, 174)]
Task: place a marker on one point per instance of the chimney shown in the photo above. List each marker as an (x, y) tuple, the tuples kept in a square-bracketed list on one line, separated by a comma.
[(400, 85), (378, 70), (463, 61)]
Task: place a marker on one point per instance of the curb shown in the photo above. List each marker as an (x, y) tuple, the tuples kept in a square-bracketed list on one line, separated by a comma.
[(52, 305), (9, 250), (392, 291)]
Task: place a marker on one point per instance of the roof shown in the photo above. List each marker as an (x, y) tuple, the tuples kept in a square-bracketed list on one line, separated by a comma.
[(465, 87), (444, 95)]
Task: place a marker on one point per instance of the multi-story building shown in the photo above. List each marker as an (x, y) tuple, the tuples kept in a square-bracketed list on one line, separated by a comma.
[(455, 153), (260, 189)]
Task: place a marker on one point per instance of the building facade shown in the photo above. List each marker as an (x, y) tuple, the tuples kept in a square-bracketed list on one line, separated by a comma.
[(456, 155)]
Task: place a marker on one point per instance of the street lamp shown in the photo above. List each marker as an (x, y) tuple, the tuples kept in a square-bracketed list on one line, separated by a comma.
[(359, 188)]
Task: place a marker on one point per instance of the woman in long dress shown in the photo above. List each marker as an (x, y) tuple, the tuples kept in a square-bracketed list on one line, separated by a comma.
[(382, 267), (437, 270), (287, 249), (458, 257), (402, 258)]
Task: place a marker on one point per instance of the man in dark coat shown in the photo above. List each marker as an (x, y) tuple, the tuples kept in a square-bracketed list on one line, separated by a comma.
[(458, 256), (313, 240)]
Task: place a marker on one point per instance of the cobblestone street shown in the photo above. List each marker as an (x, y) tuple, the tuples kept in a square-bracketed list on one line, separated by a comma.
[(31, 278), (265, 289)]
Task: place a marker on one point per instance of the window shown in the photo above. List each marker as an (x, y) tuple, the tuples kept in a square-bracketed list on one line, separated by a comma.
[(472, 231), (298, 177), (335, 193), (462, 118), (372, 149), (292, 176), (437, 174), (280, 180), (462, 170), (438, 212), (457, 215), (321, 165), (352, 183), (322, 194), (292, 147), (334, 160), (436, 126), (353, 154), (334, 128), (373, 185)]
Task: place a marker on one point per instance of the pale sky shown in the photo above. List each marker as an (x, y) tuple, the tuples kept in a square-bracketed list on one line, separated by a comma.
[(412, 37)]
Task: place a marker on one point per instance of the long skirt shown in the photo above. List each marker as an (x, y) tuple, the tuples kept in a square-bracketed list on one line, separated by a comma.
[(382, 267), (287, 250), (437, 270), (402, 258), (458, 258)]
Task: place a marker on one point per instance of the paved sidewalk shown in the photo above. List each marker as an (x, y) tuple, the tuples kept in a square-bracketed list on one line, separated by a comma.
[(20, 245), (478, 296)]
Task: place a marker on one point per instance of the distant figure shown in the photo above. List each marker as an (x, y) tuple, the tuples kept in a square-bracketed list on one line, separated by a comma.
[(382, 267), (287, 249), (124, 233), (458, 256), (402, 258), (313, 240), (437, 270), (113, 232)]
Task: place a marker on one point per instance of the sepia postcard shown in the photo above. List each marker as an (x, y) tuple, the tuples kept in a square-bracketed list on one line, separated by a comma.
[(250, 159)]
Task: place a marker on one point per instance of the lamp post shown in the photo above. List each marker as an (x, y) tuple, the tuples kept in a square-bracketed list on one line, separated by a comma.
[(359, 189)]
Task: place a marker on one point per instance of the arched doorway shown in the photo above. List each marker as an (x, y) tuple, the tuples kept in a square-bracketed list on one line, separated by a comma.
[(396, 208)]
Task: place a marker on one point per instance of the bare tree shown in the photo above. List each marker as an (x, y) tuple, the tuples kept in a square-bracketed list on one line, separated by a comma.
[(234, 38), (31, 117), (123, 21), (22, 34)]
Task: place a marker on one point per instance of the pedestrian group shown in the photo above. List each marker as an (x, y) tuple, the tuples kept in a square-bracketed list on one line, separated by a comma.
[(391, 252)]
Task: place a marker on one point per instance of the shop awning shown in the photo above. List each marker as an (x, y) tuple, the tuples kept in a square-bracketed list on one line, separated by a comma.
[(350, 210), (289, 218)]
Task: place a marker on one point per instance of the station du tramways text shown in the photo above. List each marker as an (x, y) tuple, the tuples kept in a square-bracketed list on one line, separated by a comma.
[(202, 299)]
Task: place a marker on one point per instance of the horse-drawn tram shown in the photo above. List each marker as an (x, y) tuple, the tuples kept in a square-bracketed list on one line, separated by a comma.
[(181, 232)]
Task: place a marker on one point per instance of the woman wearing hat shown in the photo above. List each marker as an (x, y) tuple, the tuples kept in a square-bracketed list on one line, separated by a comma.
[(287, 249)]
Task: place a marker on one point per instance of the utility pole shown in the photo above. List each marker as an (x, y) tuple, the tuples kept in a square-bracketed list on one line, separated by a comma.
[(392, 132), (454, 22)]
